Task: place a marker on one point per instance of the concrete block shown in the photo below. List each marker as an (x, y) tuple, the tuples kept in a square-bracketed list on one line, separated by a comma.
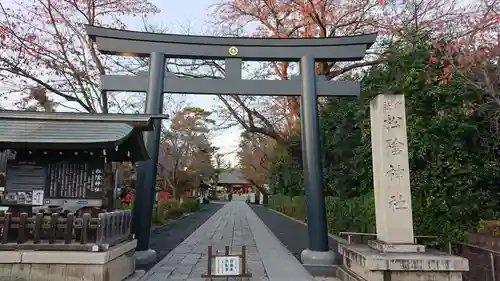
[(10, 257), (74, 257), (114, 265)]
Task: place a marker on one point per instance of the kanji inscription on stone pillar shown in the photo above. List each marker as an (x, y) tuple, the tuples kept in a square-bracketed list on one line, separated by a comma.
[(391, 177)]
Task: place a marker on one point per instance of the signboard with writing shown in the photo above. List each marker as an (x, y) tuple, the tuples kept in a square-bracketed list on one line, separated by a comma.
[(35, 182), (75, 180), (25, 176), (227, 265)]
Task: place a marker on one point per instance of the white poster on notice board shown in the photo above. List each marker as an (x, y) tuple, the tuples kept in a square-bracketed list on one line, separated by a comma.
[(37, 199)]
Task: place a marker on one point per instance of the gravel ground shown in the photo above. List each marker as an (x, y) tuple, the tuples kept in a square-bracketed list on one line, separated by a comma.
[(165, 238), (292, 234)]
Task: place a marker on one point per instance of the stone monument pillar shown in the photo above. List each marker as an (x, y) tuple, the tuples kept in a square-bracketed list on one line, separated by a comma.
[(394, 255), (391, 175)]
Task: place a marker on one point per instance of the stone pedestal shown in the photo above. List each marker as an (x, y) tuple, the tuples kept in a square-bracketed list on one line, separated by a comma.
[(396, 248), (394, 256), (116, 264), (145, 257), (365, 263), (309, 257)]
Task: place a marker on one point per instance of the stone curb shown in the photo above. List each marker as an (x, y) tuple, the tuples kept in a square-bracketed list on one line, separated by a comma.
[(275, 256), (136, 275), (337, 238)]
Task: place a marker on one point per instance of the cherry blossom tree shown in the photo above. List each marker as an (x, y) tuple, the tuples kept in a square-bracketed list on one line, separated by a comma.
[(473, 53), (186, 151), (253, 157), (470, 52), (44, 51), (47, 59), (328, 18)]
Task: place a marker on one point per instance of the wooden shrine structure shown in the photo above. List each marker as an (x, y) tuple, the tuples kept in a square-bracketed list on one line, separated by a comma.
[(60, 158), (60, 163)]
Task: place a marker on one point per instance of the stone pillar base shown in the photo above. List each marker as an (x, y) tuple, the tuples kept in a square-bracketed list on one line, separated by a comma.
[(367, 263), (396, 248), (145, 257), (309, 257)]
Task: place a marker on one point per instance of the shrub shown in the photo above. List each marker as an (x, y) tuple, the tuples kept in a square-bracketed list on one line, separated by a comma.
[(356, 214), (161, 210), (489, 227), (157, 217), (299, 207), (293, 207), (191, 204), (173, 213), (126, 206), (169, 204), (278, 202)]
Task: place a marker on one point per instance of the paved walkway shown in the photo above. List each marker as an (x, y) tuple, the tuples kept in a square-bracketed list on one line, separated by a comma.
[(233, 225)]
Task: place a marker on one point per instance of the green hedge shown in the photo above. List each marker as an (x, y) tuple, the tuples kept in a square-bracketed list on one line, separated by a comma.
[(191, 204), (159, 216), (355, 214), (172, 209), (358, 215)]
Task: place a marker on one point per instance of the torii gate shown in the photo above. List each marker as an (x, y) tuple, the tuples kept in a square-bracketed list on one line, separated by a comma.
[(158, 47)]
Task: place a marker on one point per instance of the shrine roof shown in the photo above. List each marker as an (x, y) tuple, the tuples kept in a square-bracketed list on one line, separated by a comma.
[(232, 176), (141, 121), (77, 131)]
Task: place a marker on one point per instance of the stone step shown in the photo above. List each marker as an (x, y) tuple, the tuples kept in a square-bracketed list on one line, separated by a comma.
[(326, 279), (321, 270), (136, 276), (345, 274)]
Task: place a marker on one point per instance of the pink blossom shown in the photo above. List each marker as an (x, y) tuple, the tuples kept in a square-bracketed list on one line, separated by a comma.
[(433, 60)]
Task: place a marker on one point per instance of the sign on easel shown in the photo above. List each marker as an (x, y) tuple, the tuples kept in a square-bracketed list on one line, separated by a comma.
[(227, 265)]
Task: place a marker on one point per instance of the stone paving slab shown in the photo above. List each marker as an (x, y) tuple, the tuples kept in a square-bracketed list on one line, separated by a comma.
[(233, 225)]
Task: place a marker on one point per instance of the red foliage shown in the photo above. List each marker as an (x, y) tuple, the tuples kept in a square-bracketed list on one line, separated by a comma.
[(163, 195), (129, 198)]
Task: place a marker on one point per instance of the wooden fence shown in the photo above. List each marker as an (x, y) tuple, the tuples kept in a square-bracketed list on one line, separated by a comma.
[(64, 232)]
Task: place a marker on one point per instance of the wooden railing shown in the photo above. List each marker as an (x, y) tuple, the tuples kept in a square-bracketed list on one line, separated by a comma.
[(484, 264), (64, 232)]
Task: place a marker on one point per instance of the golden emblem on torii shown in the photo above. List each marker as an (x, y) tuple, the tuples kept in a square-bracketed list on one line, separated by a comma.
[(233, 51)]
